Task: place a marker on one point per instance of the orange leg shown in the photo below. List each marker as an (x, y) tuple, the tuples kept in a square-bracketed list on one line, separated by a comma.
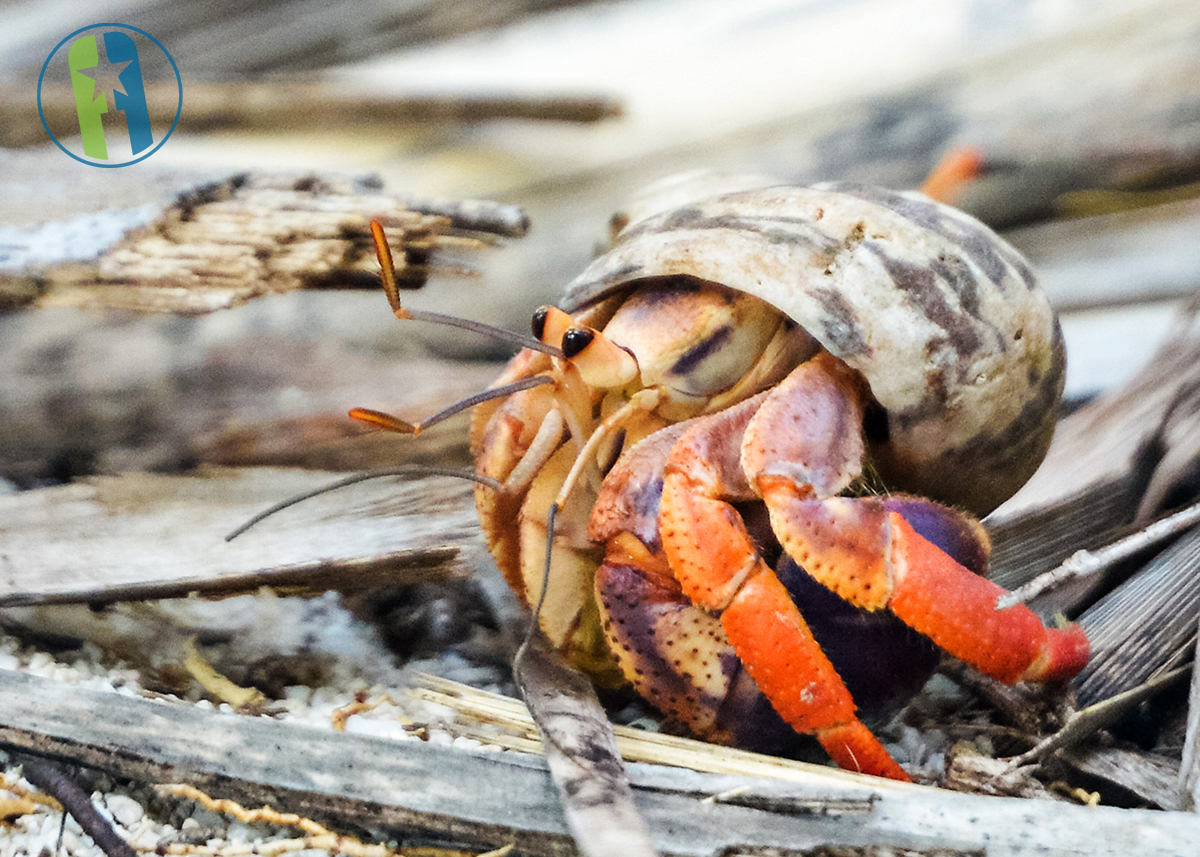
[(798, 449), (870, 555), (719, 569)]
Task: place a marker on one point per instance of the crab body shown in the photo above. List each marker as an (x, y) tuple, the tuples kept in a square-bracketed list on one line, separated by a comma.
[(747, 380)]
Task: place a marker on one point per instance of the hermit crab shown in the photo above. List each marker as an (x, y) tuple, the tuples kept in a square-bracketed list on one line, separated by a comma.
[(760, 427)]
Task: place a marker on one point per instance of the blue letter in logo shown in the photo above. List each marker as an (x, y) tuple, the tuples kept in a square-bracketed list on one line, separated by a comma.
[(132, 102)]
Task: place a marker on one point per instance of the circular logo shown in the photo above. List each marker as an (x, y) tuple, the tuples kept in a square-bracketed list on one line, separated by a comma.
[(92, 95)]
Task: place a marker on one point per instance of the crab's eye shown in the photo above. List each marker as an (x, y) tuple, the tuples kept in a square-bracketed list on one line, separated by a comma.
[(538, 323), (549, 323), (575, 340), (600, 361)]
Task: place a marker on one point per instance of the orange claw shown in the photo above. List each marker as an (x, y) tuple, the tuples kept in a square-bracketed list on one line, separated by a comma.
[(792, 446), (957, 610), (842, 542)]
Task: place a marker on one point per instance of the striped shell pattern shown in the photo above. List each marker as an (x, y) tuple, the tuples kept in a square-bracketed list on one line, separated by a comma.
[(944, 319)]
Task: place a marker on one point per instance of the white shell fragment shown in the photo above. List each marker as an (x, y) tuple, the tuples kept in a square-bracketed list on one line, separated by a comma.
[(945, 320)]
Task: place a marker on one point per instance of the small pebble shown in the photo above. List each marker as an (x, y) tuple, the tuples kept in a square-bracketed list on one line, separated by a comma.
[(378, 728), (125, 810)]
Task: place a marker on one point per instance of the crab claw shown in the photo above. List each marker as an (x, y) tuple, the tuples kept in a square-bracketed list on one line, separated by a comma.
[(796, 449), (921, 584), (869, 554), (932, 594), (718, 567)]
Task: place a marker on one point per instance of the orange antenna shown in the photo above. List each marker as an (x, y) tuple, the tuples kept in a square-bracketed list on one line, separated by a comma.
[(387, 422), (392, 290)]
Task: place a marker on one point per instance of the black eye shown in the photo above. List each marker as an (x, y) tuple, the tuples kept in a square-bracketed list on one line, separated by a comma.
[(575, 340), (539, 321)]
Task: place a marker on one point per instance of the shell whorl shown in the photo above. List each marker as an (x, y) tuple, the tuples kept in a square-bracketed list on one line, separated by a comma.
[(944, 319)]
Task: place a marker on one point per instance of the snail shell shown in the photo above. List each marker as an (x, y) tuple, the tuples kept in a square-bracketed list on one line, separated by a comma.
[(944, 319)]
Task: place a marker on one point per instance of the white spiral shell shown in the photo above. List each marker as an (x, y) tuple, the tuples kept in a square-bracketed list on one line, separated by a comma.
[(944, 319)]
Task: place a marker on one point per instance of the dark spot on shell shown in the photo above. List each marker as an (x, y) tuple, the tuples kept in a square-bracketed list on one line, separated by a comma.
[(840, 328), (624, 272), (961, 280), (776, 228), (972, 239), (683, 218), (925, 290)]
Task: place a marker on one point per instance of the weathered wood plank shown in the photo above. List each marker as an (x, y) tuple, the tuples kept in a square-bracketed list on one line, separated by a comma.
[(222, 244), (268, 385), (1153, 779), (1102, 463), (280, 105), (212, 39), (491, 799), (1118, 259), (145, 536)]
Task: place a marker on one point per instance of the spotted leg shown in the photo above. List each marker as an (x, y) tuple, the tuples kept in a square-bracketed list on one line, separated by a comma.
[(797, 450), (718, 567), (800, 450)]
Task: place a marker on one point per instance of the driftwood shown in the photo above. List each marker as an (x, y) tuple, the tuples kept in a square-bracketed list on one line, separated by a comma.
[(1153, 780), (489, 799), (143, 536), (223, 244), (212, 40), (295, 106), (110, 393), (261, 388)]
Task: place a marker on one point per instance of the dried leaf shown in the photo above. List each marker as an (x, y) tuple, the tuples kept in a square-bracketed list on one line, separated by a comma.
[(1145, 626)]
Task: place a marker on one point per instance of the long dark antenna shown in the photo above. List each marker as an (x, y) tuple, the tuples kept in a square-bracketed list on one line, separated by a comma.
[(392, 290), (399, 470)]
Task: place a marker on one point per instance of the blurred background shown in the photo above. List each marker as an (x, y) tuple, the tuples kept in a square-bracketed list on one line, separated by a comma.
[(1086, 114)]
